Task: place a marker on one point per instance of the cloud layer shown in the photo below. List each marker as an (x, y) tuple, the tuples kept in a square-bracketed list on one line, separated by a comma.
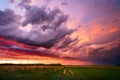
[(46, 25), (83, 31)]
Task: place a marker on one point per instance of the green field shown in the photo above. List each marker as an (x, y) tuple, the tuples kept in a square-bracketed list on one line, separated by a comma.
[(59, 72)]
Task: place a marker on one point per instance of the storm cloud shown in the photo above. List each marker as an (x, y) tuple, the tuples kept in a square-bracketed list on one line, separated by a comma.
[(107, 53), (8, 17), (45, 18), (47, 25), (9, 23), (49, 28)]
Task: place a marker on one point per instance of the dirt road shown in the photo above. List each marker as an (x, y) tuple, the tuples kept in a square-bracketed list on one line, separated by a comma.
[(71, 72)]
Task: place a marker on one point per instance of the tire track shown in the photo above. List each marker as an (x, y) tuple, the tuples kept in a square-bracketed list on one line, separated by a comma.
[(71, 72), (73, 75), (63, 75)]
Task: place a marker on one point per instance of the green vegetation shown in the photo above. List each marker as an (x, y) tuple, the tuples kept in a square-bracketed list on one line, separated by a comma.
[(37, 72), (97, 72)]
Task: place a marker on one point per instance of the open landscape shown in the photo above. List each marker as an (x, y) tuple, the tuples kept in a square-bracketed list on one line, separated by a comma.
[(59, 39), (39, 72)]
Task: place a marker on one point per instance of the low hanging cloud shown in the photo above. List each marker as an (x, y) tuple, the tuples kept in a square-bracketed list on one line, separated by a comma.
[(107, 53)]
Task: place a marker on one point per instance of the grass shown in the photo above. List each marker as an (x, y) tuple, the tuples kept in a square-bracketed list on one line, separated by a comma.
[(30, 73), (55, 72), (97, 72)]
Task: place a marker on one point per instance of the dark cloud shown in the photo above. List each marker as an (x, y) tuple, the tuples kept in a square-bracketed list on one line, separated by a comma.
[(47, 25), (7, 17), (64, 42), (34, 15), (46, 40), (117, 3), (107, 53), (45, 18), (25, 1), (13, 46), (22, 50), (20, 1), (9, 22)]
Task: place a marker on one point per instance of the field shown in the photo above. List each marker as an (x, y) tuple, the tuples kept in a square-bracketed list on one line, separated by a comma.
[(32, 72)]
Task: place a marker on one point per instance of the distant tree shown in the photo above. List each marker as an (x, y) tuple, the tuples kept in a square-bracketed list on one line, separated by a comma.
[(55, 64)]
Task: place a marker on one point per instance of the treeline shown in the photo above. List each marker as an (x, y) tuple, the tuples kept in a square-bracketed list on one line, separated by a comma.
[(30, 64)]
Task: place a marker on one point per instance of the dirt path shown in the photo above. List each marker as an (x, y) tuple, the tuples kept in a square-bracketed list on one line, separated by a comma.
[(73, 75), (71, 72), (63, 75), (64, 72)]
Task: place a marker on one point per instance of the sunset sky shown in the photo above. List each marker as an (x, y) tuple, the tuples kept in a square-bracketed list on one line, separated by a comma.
[(74, 32)]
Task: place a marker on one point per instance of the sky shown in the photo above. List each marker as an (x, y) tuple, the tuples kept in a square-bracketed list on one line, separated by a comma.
[(69, 32)]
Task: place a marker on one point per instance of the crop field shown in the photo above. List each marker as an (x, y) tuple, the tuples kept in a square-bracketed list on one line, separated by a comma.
[(11, 72)]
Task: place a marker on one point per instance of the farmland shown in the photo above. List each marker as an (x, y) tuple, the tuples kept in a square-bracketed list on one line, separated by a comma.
[(33, 72)]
